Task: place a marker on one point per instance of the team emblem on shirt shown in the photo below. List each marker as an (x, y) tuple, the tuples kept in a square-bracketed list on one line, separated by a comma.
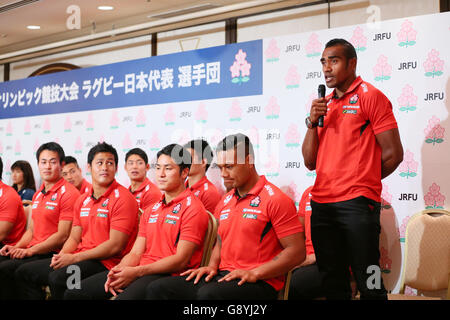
[(255, 202), (177, 208), (105, 203), (353, 99), (54, 197), (197, 193)]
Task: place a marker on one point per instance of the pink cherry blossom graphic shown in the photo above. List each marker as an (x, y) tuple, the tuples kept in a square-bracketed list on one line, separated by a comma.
[(216, 137), (407, 35), (358, 39), (235, 111), (272, 52), (402, 228), (27, 128), (407, 100), (291, 192), (169, 117), (253, 135), (36, 145), (154, 142), (272, 109), (314, 95), (1, 148), (434, 199), (433, 65), (292, 136), (201, 115), (78, 145), (141, 118), (67, 124), (9, 129), (292, 78), (114, 120), (47, 125), (385, 261), (90, 122), (313, 47), (18, 148), (240, 70), (386, 198), (382, 70), (272, 166), (127, 143), (8, 167), (408, 167), (434, 132), (101, 139)]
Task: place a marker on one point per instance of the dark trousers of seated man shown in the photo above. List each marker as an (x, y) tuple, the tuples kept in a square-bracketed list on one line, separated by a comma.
[(179, 289), (347, 234), (93, 288), (9, 268), (306, 283), (31, 277)]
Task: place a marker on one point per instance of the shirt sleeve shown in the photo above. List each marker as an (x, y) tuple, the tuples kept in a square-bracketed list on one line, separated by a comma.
[(124, 217), (283, 216), (378, 110), (9, 208), (67, 202), (194, 224), (210, 198), (143, 223), (76, 211)]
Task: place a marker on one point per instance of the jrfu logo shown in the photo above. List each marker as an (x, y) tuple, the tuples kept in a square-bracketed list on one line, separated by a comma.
[(255, 202)]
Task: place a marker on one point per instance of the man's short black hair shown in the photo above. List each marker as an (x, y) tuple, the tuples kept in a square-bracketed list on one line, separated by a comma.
[(51, 146), (178, 153), (102, 147), (69, 160), (202, 149), (1, 168), (349, 49), (139, 152), (239, 142)]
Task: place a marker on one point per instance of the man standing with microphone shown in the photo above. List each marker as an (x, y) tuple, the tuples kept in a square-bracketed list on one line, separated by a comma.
[(358, 145)]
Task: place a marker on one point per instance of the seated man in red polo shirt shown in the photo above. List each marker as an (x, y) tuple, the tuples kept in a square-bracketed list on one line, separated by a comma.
[(136, 166), (72, 173), (259, 238), (12, 215), (199, 184), (104, 229), (49, 227), (170, 239)]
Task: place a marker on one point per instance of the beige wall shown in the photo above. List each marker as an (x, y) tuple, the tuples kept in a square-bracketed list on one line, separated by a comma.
[(97, 55), (343, 13), (299, 20), (204, 36)]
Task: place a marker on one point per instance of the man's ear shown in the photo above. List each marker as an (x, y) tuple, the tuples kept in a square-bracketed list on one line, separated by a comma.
[(184, 173)]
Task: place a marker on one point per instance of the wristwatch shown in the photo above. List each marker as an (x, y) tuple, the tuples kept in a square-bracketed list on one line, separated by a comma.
[(310, 124)]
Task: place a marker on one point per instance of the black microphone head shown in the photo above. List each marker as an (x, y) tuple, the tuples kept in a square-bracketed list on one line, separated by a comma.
[(321, 90)]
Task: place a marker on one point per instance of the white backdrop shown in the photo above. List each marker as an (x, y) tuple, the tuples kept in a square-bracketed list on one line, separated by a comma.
[(405, 58)]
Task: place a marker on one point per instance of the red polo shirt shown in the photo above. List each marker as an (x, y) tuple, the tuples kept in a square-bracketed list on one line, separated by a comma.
[(349, 158), (115, 209), (304, 211), (164, 224), (206, 192), (147, 194), (250, 227), (11, 210), (85, 186), (50, 208)]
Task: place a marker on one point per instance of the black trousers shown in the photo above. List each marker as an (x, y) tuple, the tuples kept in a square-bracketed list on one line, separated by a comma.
[(93, 288), (347, 234), (9, 270), (306, 283), (178, 288)]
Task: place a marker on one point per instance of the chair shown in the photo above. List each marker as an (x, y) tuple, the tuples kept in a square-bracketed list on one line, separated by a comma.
[(426, 264), (210, 239), (283, 294)]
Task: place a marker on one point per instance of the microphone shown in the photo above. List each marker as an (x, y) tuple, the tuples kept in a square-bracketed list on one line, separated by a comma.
[(321, 91)]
